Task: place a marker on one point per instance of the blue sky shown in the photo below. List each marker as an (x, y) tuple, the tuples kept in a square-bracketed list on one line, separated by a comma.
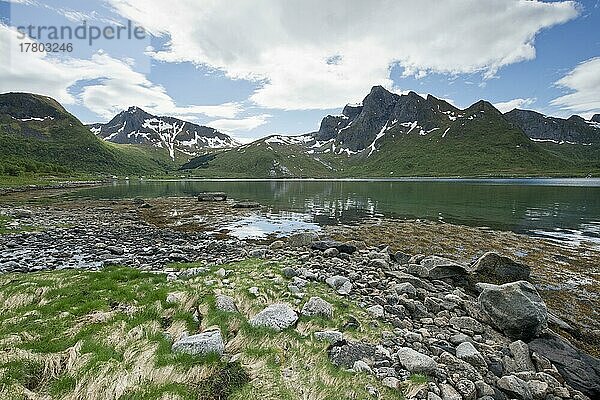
[(264, 67)]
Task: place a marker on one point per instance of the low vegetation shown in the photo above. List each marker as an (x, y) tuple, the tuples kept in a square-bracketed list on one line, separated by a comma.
[(107, 335)]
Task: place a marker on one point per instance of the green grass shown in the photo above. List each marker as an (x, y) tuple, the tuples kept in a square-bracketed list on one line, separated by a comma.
[(68, 332)]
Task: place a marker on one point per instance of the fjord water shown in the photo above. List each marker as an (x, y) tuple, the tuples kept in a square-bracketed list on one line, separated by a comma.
[(567, 210)]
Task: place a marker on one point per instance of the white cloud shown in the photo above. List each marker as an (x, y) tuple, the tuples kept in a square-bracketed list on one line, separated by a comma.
[(584, 84), (506, 106), (239, 125), (114, 86), (320, 54)]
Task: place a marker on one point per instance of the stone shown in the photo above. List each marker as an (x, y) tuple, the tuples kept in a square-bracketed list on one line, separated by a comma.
[(391, 382), (483, 389), (225, 303), (215, 196), (246, 204), (467, 389), (449, 393), (302, 239), (340, 283), (316, 306), (415, 362), (361, 366), (116, 250), (497, 269), (328, 244), (515, 308), (258, 253), (346, 353), (253, 291), (520, 352), (289, 272), (376, 311), (401, 258), (329, 336), (467, 352), (466, 323), (406, 288), (201, 344), (331, 252), (580, 370), (379, 263), (436, 267), (276, 245), (277, 316), (514, 387), (539, 389)]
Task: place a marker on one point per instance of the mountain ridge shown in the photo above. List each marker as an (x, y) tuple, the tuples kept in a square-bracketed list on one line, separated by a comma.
[(136, 126)]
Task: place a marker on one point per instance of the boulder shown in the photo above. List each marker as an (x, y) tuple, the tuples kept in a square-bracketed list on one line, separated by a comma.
[(467, 352), (514, 308), (514, 387), (416, 362), (302, 239), (328, 244), (277, 316), (579, 370), (345, 354), (316, 306), (340, 283), (201, 344), (225, 303), (246, 204), (435, 267), (520, 352), (497, 269)]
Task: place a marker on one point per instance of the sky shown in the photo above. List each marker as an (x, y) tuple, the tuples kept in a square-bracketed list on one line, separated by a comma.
[(252, 68)]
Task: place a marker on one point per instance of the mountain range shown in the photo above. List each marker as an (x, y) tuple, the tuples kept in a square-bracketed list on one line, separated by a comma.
[(388, 134), (136, 126)]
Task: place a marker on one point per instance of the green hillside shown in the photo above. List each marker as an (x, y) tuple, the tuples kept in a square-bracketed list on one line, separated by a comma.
[(38, 135)]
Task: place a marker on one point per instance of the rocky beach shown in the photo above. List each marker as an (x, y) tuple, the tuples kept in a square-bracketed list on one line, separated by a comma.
[(464, 320)]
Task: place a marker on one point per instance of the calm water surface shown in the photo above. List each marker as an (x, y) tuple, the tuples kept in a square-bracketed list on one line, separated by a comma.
[(566, 210)]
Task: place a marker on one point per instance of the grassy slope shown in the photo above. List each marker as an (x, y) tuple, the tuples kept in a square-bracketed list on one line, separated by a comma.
[(63, 144), (70, 333)]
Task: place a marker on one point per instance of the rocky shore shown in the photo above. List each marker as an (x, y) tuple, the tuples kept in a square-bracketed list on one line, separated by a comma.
[(473, 331)]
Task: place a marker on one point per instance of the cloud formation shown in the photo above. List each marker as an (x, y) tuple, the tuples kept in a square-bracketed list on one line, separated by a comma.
[(583, 83), (109, 85), (312, 54), (506, 106)]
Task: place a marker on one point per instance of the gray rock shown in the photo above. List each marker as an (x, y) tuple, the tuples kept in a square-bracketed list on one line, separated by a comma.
[(361, 366), (276, 245), (258, 253), (303, 239), (467, 352), (225, 303), (514, 387), (515, 309), (441, 268), (331, 252), (467, 389), (345, 354), (391, 382), (379, 263), (414, 361), (406, 288), (340, 283), (520, 352), (277, 316), (539, 389), (579, 370), (216, 196), (329, 336), (201, 344), (449, 393), (119, 251), (316, 306), (466, 323), (289, 272), (497, 269), (376, 311)]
